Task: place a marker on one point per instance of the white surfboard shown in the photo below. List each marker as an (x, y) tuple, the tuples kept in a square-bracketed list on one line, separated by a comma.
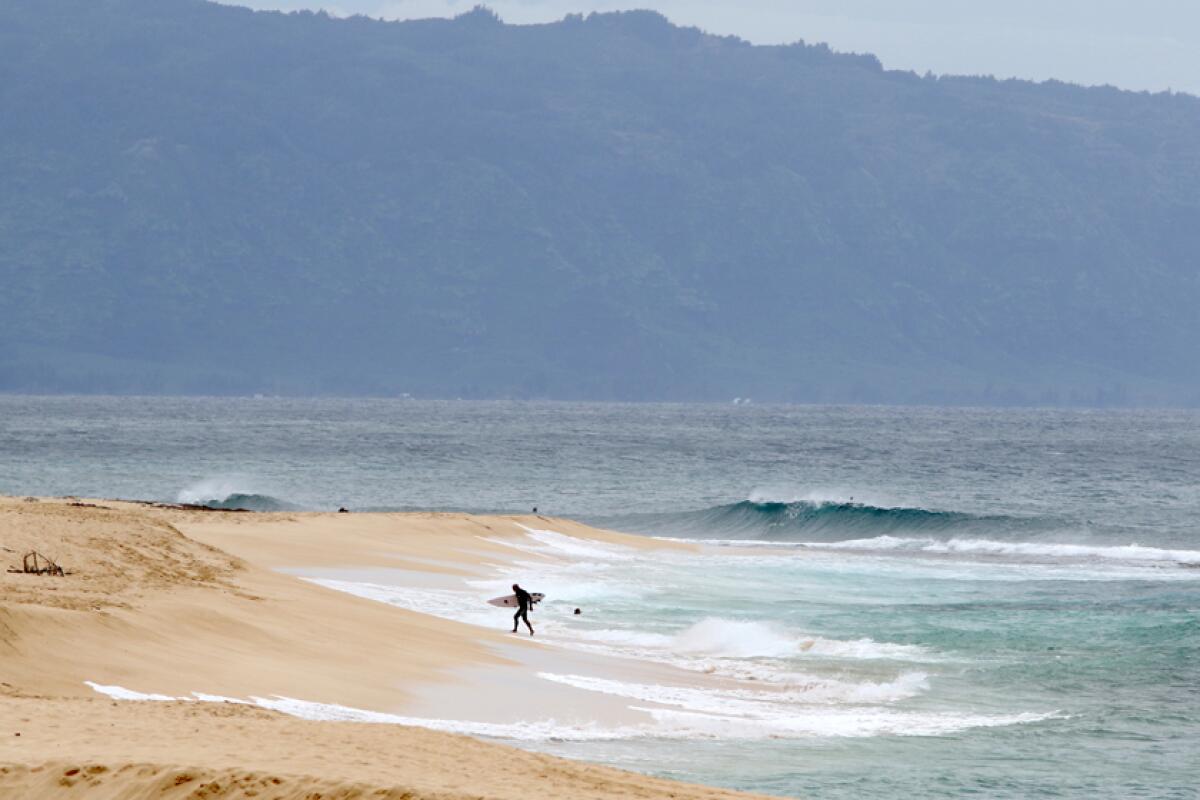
[(510, 601)]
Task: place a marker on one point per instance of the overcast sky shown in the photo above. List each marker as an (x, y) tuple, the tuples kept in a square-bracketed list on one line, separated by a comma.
[(1134, 44)]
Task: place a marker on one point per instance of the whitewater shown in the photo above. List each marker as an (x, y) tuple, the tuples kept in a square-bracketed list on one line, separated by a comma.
[(885, 602)]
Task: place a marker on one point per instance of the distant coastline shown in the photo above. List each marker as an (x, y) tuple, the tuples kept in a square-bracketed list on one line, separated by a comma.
[(608, 208)]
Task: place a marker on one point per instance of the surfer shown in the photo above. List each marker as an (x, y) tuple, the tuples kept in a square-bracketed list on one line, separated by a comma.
[(524, 601)]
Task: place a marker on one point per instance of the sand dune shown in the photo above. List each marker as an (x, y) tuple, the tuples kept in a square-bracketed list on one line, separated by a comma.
[(173, 601), (148, 607)]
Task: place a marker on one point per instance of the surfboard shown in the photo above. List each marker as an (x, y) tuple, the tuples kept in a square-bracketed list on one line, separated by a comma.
[(510, 601)]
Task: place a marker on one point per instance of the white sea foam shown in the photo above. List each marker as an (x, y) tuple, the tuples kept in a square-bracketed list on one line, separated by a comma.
[(679, 724), (540, 730), (833, 723), (868, 649), (120, 693), (747, 639), (765, 656), (543, 730), (736, 639), (210, 489), (741, 649), (547, 542), (663, 724), (558, 584), (802, 691), (1129, 552), (456, 605)]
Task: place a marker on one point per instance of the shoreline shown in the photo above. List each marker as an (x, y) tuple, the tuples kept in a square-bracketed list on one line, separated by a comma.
[(176, 601)]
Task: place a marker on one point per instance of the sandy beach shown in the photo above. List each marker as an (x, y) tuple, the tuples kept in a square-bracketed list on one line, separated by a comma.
[(196, 605)]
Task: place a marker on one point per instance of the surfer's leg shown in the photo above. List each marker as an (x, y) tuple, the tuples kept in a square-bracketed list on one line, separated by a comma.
[(516, 619), (525, 616)]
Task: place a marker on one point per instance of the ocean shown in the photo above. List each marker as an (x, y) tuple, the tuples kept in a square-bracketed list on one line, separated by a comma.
[(936, 602)]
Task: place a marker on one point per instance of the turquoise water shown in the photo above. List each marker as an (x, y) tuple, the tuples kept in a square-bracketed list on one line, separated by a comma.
[(1108, 652), (959, 603)]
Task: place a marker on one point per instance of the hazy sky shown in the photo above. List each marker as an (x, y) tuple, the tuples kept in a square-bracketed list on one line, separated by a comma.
[(1147, 44)]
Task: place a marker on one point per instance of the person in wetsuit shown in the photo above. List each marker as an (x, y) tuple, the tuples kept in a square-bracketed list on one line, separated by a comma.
[(524, 602)]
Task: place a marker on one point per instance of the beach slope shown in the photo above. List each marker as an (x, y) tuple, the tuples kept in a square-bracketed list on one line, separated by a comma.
[(172, 601)]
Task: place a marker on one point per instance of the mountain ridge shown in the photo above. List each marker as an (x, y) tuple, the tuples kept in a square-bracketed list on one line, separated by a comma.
[(214, 200)]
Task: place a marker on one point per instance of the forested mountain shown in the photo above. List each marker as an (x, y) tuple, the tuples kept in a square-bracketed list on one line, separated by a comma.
[(201, 198)]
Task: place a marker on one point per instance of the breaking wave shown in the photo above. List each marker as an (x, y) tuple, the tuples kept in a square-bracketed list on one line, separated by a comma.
[(823, 520), (228, 496), (843, 523)]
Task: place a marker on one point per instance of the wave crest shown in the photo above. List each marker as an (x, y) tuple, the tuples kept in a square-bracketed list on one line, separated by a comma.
[(823, 519), (229, 496), (715, 637)]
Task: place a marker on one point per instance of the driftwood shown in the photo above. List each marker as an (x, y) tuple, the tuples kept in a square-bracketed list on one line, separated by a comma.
[(34, 563)]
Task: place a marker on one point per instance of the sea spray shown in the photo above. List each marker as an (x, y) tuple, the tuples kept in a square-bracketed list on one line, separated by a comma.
[(231, 495), (736, 639)]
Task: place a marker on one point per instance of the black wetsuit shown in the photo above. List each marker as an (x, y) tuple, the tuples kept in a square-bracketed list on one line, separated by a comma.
[(524, 601)]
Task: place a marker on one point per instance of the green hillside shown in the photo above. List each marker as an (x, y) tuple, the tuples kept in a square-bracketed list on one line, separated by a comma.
[(200, 198)]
